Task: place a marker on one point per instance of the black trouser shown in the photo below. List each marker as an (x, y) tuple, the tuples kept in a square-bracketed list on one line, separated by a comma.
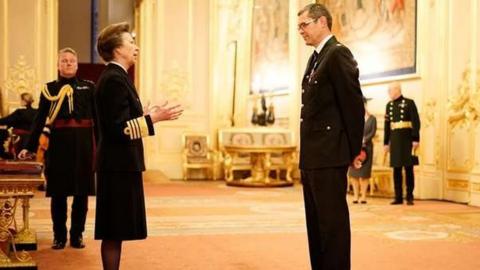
[(58, 209), (328, 221), (410, 181)]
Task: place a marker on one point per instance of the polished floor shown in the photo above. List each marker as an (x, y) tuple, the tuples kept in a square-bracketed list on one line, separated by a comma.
[(207, 225)]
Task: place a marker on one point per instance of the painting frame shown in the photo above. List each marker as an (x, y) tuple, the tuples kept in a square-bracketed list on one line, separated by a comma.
[(399, 51)]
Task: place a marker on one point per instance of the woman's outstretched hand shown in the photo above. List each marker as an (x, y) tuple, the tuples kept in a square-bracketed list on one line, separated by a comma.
[(164, 112)]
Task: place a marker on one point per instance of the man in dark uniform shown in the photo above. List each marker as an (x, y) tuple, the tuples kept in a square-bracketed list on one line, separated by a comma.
[(69, 158), (401, 138), (21, 120), (331, 133)]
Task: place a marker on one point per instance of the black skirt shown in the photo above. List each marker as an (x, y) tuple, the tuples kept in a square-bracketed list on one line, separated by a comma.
[(120, 210)]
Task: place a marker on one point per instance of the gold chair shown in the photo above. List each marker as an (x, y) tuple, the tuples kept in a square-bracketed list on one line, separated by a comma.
[(198, 155), (236, 161), (280, 161)]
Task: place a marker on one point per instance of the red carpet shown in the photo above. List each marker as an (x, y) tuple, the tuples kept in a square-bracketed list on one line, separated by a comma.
[(206, 225)]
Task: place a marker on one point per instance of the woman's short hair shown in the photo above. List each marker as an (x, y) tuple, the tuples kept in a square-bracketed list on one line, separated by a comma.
[(27, 98), (111, 38)]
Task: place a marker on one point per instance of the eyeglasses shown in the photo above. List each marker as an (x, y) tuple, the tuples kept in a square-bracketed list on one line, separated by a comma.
[(302, 25)]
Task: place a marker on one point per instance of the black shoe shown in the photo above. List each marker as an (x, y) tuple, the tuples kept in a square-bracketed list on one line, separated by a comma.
[(410, 202), (77, 242), (355, 201), (363, 202), (396, 202), (57, 244)]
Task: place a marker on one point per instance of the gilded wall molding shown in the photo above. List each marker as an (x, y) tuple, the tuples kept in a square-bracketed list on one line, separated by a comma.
[(475, 187), (429, 116), (429, 112), (175, 85), (21, 78), (460, 154), (463, 114), (464, 107), (478, 80), (458, 184)]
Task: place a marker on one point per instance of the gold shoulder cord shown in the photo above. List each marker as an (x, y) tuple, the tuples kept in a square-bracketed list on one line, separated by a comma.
[(57, 101)]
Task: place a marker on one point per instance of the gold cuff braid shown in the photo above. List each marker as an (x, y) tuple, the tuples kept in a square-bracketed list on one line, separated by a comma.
[(136, 128)]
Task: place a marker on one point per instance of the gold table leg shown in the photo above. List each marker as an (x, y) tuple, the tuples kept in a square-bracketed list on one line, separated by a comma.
[(259, 174), (11, 259), (26, 238)]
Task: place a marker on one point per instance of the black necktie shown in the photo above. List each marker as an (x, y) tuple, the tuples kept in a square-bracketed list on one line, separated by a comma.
[(313, 63)]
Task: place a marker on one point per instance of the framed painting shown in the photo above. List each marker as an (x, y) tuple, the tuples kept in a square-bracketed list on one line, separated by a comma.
[(270, 60), (381, 34)]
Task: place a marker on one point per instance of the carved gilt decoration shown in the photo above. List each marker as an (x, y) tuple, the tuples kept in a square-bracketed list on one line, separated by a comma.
[(464, 107), (429, 113), (21, 78), (175, 84)]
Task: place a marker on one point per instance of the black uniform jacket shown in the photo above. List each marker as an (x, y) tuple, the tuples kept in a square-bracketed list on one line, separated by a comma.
[(20, 118), (400, 140), (332, 114), (70, 154), (121, 122)]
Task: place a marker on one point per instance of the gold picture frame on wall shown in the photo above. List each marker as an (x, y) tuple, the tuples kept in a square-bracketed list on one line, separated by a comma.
[(382, 35)]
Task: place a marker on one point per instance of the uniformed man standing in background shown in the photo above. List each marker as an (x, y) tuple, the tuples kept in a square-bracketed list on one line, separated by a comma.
[(68, 101), (401, 138)]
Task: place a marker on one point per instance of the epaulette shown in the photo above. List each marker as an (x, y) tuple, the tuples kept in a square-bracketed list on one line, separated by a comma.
[(88, 81)]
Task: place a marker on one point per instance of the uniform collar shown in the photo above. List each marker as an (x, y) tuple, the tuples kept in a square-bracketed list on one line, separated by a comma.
[(320, 46), (118, 64), (399, 98), (67, 80)]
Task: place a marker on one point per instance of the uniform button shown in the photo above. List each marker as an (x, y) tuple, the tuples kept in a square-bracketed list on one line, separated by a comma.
[(316, 82), (301, 120), (302, 105), (329, 127), (303, 91)]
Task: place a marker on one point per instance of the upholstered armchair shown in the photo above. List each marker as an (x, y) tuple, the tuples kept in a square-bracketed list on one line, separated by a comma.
[(197, 155)]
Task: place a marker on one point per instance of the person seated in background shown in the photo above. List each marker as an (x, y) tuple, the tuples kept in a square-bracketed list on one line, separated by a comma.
[(359, 176), (20, 120)]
